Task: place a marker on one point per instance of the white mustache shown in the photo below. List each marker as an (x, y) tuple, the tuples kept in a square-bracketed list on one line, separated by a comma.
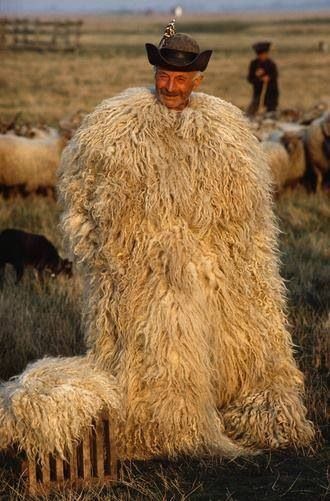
[(169, 94)]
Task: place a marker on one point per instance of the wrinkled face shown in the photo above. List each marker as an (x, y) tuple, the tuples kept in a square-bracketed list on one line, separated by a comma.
[(173, 88)]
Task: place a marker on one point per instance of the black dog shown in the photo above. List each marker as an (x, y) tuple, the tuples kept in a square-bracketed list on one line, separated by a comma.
[(22, 249)]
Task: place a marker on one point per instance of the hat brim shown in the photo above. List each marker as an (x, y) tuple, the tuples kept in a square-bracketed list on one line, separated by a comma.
[(179, 61)]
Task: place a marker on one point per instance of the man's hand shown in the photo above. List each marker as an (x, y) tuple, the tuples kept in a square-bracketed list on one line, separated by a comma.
[(265, 78), (260, 72)]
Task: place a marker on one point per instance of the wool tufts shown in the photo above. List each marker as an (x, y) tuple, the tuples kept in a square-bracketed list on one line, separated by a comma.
[(169, 217), (47, 408)]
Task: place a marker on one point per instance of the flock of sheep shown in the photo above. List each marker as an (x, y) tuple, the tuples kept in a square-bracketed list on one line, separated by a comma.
[(29, 164), (30, 156), (297, 153)]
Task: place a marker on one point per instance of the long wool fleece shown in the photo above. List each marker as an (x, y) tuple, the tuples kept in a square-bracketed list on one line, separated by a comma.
[(169, 215), (48, 407)]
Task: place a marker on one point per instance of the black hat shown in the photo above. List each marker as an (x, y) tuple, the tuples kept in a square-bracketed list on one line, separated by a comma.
[(260, 47), (177, 52)]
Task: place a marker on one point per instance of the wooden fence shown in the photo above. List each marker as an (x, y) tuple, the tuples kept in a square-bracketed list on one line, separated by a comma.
[(27, 33), (93, 462)]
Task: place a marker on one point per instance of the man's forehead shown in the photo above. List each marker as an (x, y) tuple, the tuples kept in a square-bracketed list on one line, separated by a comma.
[(175, 73)]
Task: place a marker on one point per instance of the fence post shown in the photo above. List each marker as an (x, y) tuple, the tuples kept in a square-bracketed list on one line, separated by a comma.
[(24, 33), (3, 33)]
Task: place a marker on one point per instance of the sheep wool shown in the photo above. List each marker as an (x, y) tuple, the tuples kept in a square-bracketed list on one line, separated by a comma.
[(286, 159), (169, 216), (278, 161), (30, 162), (316, 136), (47, 408)]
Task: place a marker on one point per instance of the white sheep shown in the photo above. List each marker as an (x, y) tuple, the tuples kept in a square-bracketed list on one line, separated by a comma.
[(318, 148), (286, 159), (278, 161), (30, 163)]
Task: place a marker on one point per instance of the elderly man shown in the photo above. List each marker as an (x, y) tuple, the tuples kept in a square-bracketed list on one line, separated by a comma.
[(179, 67), (168, 212)]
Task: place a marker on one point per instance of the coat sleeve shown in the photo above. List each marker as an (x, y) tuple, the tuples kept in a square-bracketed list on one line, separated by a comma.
[(272, 71), (76, 193), (251, 77), (80, 173)]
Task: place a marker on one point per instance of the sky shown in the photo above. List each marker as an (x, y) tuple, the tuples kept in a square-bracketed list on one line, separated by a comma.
[(140, 5)]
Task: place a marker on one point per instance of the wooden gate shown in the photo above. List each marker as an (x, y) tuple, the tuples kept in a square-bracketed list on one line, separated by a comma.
[(28, 33), (93, 462)]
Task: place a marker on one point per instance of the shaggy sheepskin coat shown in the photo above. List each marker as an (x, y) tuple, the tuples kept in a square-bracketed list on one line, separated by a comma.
[(169, 215), (48, 407)]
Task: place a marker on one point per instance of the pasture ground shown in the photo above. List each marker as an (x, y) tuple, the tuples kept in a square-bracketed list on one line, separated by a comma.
[(47, 86), (36, 320)]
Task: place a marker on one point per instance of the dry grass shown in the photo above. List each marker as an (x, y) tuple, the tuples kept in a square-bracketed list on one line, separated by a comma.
[(39, 320), (112, 57), (36, 320), (306, 267)]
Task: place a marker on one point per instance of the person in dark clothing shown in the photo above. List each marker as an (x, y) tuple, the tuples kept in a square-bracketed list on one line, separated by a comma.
[(263, 76)]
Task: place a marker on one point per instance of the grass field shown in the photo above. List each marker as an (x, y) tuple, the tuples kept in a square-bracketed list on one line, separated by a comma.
[(39, 320), (49, 86), (36, 320)]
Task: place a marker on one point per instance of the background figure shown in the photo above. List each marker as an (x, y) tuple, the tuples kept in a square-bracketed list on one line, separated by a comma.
[(263, 76)]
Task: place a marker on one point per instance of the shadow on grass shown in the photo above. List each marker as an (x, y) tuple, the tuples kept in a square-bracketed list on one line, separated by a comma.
[(269, 476)]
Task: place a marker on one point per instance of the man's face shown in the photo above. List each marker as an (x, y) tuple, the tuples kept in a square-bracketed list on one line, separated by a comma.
[(262, 56), (173, 88)]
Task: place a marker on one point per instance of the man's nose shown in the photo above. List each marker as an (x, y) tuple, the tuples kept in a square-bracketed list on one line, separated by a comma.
[(170, 85)]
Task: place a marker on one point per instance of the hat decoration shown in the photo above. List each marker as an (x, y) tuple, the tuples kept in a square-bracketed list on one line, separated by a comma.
[(169, 32), (177, 52)]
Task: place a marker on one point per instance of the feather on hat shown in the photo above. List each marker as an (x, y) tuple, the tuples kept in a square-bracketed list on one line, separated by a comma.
[(177, 52)]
